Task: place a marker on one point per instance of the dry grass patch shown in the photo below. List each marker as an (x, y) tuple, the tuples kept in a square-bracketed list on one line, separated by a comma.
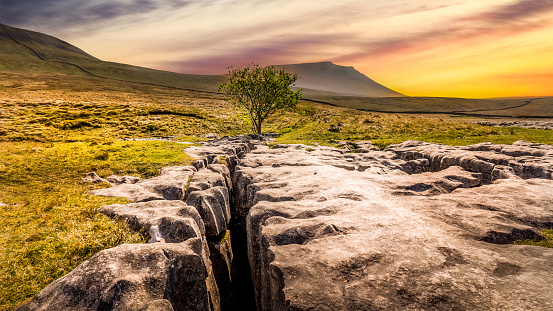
[(50, 224)]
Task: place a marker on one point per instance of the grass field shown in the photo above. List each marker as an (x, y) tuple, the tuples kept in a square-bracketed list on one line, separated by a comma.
[(521, 107), (49, 222), (56, 128)]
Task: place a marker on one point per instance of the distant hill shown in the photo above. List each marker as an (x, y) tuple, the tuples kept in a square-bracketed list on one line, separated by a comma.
[(329, 77), (28, 51)]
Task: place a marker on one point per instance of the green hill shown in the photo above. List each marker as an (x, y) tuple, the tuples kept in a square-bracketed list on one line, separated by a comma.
[(27, 51)]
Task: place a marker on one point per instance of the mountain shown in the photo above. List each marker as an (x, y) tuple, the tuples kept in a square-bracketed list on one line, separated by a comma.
[(28, 51), (329, 77)]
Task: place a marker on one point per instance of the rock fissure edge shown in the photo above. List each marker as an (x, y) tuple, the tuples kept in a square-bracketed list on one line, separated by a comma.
[(416, 226)]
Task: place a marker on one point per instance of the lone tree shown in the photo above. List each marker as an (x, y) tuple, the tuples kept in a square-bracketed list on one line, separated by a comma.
[(261, 91)]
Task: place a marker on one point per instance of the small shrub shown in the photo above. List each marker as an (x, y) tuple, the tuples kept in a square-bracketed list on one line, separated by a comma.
[(102, 156)]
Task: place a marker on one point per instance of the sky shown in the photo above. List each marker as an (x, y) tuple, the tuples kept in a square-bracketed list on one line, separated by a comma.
[(454, 48)]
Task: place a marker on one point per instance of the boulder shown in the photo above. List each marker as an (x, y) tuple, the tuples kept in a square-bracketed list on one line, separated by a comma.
[(213, 206), (160, 276), (92, 177), (205, 179), (227, 146), (169, 185), (167, 221), (117, 180), (112, 180)]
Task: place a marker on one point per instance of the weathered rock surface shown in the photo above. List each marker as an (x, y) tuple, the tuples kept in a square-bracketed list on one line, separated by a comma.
[(160, 276), (329, 230), (168, 221), (523, 159), (545, 125), (204, 179), (226, 146), (113, 179), (417, 226), (213, 206), (169, 185)]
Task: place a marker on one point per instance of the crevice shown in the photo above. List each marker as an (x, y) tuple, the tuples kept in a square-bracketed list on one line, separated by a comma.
[(496, 237), (243, 295)]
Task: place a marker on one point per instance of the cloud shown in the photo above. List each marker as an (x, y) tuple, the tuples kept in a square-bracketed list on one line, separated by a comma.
[(53, 15), (495, 22), (515, 12), (277, 52), (398, 39)]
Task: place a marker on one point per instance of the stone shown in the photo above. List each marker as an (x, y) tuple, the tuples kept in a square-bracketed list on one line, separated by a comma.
[(364, 146), (199, 164), (158, 305), (445, 181), (222, 259), (205, 179), (211, 136), (92, 177), (165, 221), (118, 180), (545, 125), (525, 159), (227, 146), (169, 185), (417, 226), (213, 159), (136, 277), (112, 180), (214, 208), (224, 171)]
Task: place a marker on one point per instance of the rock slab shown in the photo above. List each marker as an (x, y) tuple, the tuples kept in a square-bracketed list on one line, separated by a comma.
[(332, 230), (156, 276), (171, 184)]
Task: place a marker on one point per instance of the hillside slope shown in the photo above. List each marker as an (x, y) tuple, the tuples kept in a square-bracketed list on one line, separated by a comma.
[(27, 51), (329, 77)]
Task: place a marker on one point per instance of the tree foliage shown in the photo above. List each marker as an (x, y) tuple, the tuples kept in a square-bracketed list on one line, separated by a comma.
[(260, 91)]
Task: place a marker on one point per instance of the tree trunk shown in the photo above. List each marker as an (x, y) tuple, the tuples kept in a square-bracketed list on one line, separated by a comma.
[(258, 126)]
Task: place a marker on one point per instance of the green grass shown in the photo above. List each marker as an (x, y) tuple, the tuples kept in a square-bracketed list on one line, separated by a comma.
[(517, 107), (313, 123), (43, 122)]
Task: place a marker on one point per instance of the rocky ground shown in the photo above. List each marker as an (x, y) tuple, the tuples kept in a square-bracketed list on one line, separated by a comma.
[(417, 226), (540, 124)]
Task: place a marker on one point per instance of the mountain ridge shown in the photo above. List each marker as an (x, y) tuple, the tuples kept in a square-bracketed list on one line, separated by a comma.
[(329, 77), (24, 50)]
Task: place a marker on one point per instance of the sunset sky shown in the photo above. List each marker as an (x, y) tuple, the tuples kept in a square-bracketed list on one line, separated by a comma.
[(460, 48)]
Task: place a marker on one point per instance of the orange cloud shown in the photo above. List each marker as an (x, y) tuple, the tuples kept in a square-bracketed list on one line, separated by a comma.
[(462, 48)]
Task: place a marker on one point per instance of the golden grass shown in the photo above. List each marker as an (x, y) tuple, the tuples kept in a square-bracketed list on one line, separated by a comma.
[(50, 224), (313, 122)]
